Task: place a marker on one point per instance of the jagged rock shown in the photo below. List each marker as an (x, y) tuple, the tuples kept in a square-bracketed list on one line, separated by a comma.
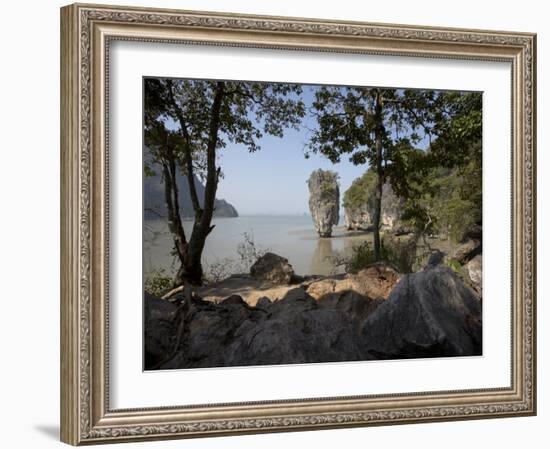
[(376, 281), (263, 303), (430, 313), (467, 251), (233, 299), (436, 258), (272, 269), (475, 271), (296, 329), (324, 200), (249, 289), (159, 330), (473, 232), (359, 205), (357, 219), (391, 209)]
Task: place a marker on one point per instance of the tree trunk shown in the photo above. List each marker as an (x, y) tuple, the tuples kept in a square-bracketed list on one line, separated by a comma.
[(172, 206), (378, 134), (191, 268)]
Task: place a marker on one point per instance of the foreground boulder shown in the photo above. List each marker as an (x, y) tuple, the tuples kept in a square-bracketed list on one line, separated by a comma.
[(159, 330), (324, 201), (375, 281), (467, 250), (429, 314), (296, 329), (272, 269)]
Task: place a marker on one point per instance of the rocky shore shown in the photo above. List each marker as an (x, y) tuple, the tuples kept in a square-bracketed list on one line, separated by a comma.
[(272, 316)]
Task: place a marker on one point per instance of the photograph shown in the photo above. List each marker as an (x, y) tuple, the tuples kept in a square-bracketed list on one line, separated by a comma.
[(291, 223), (315, 222)]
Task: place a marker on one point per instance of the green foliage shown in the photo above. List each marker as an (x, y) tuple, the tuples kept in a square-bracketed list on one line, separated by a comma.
[(454, 265), (188, 122), (328, 189), (447, 201), (350, 118), (158, 282), (219, 270), (442, 186), (249, 110), (401, 254), (360, 191)]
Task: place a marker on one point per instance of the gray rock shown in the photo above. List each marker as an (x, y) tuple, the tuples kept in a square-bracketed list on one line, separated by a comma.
[(391, 209), (436, 258), (159, 330), (467, 250), (263, 303), (273, 269), (358, 218), (473, 232), (429, 314), (475, 272), (233, 299), (359, 215), (324, 201)]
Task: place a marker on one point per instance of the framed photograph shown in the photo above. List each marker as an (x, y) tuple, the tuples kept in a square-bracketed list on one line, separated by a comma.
[(279, 224)]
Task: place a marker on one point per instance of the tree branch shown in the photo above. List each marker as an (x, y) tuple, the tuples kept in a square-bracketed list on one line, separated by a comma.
[(187, 152)]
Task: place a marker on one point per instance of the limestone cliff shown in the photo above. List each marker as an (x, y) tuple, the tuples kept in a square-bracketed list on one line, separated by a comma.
[(359, 205), (324, 199)]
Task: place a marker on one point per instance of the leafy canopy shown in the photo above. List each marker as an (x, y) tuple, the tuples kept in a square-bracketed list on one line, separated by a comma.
[(179, 112)]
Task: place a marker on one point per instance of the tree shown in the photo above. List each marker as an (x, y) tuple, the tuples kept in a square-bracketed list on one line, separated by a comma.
[(443, 186), (187, 123), (375, 126)]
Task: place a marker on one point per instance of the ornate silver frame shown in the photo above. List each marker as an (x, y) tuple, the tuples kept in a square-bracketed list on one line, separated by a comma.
[(86, 33)]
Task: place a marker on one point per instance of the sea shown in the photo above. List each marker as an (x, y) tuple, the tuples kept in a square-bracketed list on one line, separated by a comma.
[(292, 237)]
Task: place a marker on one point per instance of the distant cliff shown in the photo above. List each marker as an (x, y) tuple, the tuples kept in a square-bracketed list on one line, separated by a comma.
[(153, 198), (359, 205)]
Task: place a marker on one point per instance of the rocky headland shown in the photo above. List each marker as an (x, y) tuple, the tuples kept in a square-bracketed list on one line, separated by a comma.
[(359, 206)]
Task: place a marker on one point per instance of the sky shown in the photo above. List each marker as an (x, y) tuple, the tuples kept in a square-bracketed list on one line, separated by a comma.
[(273, 180)]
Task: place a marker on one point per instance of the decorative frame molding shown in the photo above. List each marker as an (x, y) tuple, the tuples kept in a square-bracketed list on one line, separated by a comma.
[(86, 31)]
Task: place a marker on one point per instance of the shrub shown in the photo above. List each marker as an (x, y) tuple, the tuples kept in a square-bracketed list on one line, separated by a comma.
[(158, 282), (219, 270), (248, 252), (401, 254)]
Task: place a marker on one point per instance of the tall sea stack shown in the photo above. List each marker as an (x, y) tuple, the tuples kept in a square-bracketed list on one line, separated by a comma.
[(324, 200)]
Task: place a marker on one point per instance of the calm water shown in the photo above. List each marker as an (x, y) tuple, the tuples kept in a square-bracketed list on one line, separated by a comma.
[(292, 237)]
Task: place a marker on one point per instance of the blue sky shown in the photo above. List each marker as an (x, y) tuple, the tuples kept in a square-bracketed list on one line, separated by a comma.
[(273, 179)]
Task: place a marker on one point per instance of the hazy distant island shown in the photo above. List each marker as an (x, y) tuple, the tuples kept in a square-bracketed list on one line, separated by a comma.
[(359, 231), (154, 205)]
